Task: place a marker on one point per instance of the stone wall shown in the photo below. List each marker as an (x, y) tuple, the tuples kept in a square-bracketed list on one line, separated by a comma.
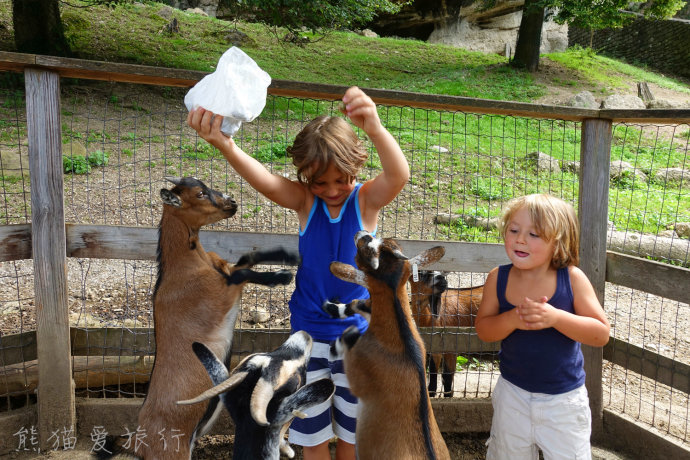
[(662, 45)]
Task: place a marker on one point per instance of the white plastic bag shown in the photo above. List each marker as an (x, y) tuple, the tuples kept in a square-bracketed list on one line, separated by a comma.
[(236, 90)]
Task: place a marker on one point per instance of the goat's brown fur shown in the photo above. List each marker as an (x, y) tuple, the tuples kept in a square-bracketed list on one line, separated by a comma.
[(435, 305), (193, 302), (385, 365)]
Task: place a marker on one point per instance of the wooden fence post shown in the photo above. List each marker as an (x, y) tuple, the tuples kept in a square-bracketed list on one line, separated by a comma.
[(56, 402), (595, 161)]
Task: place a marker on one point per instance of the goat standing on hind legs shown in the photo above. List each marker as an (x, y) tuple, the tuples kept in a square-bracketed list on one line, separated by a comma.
[(386, 365), (193, 301), (436, 305)]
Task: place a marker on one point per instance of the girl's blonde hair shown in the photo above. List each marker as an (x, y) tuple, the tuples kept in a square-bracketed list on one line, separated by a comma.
[(554, 220), (322, 141)]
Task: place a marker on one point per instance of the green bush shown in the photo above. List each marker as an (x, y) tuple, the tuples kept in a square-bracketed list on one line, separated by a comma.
[(98, 158), (76, 164)]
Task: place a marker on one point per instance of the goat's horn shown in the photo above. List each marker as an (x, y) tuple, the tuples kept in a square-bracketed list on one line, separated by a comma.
[(228, 384), (173, 179), (261, 396)]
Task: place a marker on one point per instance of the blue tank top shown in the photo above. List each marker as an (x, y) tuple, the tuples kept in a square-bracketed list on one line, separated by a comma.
[(323, 241), (543, 361)]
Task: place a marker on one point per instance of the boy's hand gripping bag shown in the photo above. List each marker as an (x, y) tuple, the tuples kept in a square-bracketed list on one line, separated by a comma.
[(236, 90)]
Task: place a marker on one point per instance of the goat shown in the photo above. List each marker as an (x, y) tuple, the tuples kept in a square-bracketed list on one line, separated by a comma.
[(263, 394), (193, 301), (435, 305), (385, 365)]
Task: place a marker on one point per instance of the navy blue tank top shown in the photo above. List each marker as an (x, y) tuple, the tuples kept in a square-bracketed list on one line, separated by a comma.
[(543, 361), (324, 240)]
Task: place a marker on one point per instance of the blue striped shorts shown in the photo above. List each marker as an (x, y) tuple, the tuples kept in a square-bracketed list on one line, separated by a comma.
[(336, 417)]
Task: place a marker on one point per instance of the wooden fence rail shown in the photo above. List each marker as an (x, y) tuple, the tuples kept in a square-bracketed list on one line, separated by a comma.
[(48, 240)]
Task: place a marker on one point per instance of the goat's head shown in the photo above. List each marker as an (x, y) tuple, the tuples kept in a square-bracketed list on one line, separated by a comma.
[(276, 382), (382, 259), (427, 290), (195, 203)]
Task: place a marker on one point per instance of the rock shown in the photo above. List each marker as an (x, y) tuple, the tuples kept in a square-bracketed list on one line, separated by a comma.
[(166, 12), (543, 162), (682, 229), (623, 101), (196, 11), (470, 221), (663, 104), (621, 170), (14, 163), (73, 149), (674, 175), (9, 308), (238, 38), (259, 315), (583, 100), (368, 33), (438, 148), (572, 166)]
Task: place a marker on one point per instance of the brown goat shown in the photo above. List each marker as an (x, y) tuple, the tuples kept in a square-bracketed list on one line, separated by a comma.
[(193, 301), (385, 365), (435, 305)]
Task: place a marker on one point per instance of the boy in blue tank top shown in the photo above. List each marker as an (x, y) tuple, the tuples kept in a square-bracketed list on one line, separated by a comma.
[(541, 307), (331, 207)]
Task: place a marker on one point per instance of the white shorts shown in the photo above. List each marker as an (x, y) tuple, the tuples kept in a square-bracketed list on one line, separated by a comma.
[(523, 422)]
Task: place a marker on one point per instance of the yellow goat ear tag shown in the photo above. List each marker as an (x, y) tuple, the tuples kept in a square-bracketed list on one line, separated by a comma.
[(415, 273)]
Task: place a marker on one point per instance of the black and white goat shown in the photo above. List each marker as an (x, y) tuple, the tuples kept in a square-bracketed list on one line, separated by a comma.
[(385, 365), (263, 394)]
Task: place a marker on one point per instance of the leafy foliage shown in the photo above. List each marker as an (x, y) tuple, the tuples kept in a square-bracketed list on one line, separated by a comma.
[(314, 15), (600, 14)]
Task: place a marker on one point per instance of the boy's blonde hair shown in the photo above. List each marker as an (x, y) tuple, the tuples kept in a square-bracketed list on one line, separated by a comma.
[(322, 141), (554, 219)]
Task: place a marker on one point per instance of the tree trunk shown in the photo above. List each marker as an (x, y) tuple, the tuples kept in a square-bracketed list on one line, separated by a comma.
[(38, 27), (529, 37)]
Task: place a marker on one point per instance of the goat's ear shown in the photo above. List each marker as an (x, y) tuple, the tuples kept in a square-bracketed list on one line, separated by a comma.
[(214, 366), (170, 198), (429, 256), (234, 380), (309, 395), (348, 273)]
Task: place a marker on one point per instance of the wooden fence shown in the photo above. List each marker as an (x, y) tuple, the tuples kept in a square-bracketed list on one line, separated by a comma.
[(49, 241)]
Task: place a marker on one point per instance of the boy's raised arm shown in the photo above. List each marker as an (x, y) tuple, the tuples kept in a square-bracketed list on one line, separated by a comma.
[(395, 170), (278, 189)]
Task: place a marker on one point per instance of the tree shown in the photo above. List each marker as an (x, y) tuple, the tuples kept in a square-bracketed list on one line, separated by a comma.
[(38, 27), (590, 14), (315, 15)]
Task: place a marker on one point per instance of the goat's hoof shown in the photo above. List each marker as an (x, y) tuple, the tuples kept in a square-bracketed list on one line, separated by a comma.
[(282, 277), (350, 336)]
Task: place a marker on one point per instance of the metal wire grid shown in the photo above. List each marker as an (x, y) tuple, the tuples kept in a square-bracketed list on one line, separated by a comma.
[(658, 325), (462, 165), (650, 191)]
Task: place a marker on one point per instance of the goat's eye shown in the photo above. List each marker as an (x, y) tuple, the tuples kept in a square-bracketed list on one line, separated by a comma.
[(200, 195)]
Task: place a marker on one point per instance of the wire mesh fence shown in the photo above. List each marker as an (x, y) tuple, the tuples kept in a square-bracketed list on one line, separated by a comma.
[(120, 141)]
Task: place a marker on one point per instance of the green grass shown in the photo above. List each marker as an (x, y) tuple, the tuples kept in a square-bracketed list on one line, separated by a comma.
[(613, 73)]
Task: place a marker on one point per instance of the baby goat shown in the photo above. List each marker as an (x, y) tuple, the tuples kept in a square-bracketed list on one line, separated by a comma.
[(385, 365), (263, 394), (435, 305), (193, 301)]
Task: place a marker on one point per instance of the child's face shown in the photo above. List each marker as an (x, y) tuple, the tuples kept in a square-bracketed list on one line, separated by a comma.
[(524, 246), (333, 186)]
